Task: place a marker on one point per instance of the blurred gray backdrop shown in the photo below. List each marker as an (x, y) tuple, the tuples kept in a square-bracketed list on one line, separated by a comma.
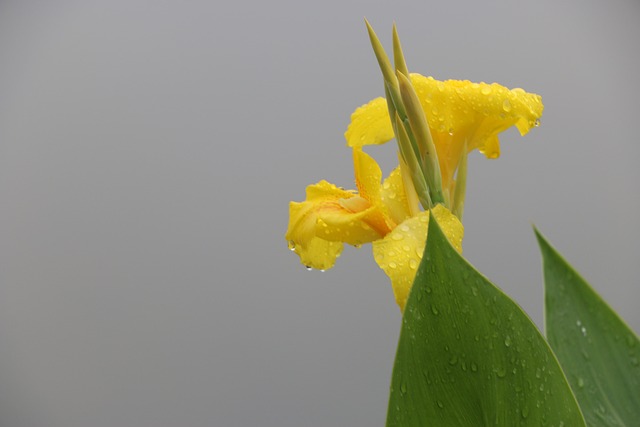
[(148, 152)]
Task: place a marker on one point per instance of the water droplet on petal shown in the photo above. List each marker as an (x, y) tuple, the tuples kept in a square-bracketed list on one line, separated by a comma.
[(308, 267), (413, 264), (486, 90), (393, 264), (506, 105)]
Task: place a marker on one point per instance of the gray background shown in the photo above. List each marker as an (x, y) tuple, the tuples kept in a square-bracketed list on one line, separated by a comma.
[(149, 149)]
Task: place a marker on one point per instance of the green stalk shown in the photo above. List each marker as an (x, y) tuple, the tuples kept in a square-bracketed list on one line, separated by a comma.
[(409, 156), (422, 135)]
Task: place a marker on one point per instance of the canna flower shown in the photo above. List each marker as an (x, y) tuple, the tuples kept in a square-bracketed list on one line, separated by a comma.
[(381, 213), (436, 124)]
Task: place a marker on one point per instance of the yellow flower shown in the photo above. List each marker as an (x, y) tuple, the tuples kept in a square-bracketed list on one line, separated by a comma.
[(379, 212), (436, 124), (458, 113)]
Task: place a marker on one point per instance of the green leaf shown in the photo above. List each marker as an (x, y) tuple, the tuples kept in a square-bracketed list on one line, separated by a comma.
[(469, 356), (598, 352)]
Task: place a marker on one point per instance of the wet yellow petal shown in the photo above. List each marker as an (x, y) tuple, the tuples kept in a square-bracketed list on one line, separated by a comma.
[(400, 252), (327, 218), (336, 222), (368, 176), (313, 251), (326, 190), (394, 197), (479, 111), (370, 124)]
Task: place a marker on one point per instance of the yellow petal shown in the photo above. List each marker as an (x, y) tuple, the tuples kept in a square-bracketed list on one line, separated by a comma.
[(479, 111), (336, 222), (313, 251), (330, 216), (370, 124), (394, 197), (368, 176), (400, 252)]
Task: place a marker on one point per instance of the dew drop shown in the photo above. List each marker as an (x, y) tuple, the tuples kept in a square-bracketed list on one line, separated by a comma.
[(308, 267), (403, 388), (507, 341), (580, 382), (631, 341), (393, 264), (440, 404), (474, 367), (506, 105), (536, 123), (486, 90), (413, 264), (434, 309), (397, 236)]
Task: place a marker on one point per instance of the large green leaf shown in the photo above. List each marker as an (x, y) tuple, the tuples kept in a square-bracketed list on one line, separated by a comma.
[(469, 356), (598, 352)]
